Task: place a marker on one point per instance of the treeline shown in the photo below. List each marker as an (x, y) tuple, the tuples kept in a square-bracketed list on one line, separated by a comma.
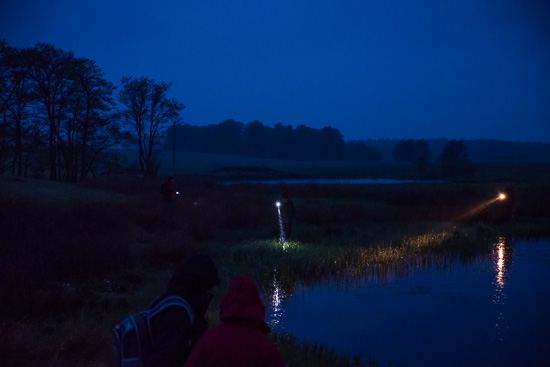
[(278, 142), (304, 143), (452, 161), (479, 150), (57, 113), (59, 118)]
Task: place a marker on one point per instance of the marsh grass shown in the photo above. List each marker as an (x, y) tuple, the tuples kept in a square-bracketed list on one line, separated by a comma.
[(76, 259), (284, 265), (302, 354)]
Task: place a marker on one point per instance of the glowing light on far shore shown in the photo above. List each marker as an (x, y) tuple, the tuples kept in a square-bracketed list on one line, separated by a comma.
[(502, 196), (278, 203)]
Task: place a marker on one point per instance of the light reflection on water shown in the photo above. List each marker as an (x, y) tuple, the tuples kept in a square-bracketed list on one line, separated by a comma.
[(325, 181), (277, 299), (487, 310), (499, 295)]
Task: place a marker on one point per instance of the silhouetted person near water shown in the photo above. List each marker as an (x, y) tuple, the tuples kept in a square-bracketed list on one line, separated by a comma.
[(287, 214), (175, 334), (241, 338), (167, 189)]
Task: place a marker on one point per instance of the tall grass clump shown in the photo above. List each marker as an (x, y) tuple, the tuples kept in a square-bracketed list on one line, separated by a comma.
[(281, 266)]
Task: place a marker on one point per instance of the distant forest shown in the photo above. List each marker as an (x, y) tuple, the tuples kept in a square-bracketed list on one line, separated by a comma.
[(305, 143), (478, 150), (278, 142)]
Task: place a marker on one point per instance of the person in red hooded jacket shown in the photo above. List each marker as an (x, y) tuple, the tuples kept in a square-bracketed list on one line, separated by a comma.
[(241, 338)]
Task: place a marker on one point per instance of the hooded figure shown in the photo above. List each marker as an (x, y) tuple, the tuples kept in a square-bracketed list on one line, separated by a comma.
[(241, 338), (195, 276)]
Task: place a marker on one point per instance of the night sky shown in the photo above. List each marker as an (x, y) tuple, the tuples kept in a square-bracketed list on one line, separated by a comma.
[(370, 68)]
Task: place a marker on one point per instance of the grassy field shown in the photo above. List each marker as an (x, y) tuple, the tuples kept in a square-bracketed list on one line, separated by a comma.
[(193, 163), (77, 258), (204, 163)]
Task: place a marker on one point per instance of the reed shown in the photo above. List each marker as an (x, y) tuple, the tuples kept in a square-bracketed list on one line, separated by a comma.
[(302, 354)]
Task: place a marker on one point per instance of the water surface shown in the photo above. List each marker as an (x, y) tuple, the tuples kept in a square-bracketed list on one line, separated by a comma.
[(324, 181), (490, 310)]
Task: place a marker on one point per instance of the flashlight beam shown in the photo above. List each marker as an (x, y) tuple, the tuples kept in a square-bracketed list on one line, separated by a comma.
[(281, 228), (481, 206)]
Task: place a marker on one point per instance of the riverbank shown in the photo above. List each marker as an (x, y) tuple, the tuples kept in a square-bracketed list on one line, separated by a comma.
[(429, 311), (76, 259)]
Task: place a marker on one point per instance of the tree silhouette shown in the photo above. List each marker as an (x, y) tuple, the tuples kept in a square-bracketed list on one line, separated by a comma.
[(148, 112), (358, 150), (51, 100), (454, 159), (413, 151), (50, 69)]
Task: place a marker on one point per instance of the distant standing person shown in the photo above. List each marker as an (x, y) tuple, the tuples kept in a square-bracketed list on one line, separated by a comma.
[(287, 213), (241, 338), (167, 189)]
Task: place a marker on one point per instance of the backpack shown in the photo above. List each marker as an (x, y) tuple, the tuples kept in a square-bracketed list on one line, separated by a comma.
[(133, 337)]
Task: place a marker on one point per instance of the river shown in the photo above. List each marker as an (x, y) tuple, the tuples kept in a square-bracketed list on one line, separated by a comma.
[(488, 310), (294, 181)]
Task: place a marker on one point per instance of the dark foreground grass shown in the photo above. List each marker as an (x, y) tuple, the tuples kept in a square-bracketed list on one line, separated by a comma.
[(75, 260), (302, 354)]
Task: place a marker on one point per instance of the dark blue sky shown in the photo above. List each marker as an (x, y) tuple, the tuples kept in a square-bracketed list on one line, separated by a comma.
[(370, 68)]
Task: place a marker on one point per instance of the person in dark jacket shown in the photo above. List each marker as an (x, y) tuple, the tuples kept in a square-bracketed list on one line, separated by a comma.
[(241, 338), (168, 190), (175, 335), (287, 214)]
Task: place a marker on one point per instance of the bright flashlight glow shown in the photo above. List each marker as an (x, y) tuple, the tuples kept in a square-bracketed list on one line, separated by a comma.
[(502, 196), (282, 231), (177, 192)]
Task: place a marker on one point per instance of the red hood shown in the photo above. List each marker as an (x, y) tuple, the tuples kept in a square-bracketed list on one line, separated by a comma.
[(242, 302)]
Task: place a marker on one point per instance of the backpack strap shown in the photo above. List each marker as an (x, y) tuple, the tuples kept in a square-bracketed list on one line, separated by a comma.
[(167, 302)]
